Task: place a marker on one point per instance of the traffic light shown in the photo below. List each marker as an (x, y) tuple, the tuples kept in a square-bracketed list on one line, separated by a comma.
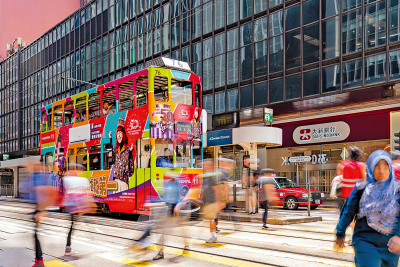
[(397, 141)]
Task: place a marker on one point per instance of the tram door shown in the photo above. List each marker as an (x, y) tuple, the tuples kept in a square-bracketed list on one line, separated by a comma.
[(143, 171)]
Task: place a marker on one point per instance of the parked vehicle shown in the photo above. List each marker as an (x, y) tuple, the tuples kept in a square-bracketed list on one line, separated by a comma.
[(291, 196)]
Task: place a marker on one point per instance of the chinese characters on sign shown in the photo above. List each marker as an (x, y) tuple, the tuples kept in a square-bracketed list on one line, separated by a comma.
[(318, 133), (320, 159)]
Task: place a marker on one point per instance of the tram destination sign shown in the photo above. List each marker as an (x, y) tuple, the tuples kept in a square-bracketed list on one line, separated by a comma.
[(300, 159)]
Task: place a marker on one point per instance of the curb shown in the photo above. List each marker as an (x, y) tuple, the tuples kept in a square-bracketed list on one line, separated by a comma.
[(276, 221)]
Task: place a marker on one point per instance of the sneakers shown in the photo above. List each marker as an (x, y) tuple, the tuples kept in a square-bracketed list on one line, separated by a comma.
[(212, 240), (70, 252), (158, 256), (38, 263), (265, 227)]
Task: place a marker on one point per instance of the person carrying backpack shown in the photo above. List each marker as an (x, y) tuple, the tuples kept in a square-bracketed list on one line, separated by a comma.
[(375, 205)]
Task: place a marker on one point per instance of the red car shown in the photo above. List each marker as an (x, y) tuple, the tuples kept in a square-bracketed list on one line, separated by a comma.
[(291, 196)]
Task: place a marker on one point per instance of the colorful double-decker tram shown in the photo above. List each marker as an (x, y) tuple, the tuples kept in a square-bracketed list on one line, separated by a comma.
[(126, 135)]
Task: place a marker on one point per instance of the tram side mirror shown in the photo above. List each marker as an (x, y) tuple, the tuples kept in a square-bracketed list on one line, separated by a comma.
[(147, 148)]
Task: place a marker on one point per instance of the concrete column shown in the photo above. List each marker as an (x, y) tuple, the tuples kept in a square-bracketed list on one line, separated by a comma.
[(16, 181)]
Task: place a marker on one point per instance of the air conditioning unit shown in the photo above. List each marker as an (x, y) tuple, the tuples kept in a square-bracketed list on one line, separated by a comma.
[(79, 134)]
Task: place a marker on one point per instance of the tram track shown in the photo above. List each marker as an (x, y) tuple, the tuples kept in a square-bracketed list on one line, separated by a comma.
[(325, 257)]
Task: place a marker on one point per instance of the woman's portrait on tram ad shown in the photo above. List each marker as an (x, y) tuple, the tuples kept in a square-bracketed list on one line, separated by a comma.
[(122, 157), (196, 125)]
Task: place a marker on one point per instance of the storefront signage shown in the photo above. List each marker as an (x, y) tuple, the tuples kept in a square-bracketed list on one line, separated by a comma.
[(321, 133), (218, 138), (268, 114), (299, 159)]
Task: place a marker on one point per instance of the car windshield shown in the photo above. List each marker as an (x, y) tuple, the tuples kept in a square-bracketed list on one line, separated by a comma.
[(286, 183)]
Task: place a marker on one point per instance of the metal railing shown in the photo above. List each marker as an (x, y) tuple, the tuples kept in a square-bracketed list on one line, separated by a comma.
[(7, 190)]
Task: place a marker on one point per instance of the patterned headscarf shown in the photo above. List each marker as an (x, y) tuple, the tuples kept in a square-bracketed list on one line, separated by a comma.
[(379, 202)]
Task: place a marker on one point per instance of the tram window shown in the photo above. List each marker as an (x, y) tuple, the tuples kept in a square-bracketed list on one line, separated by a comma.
[(43, 121), (164, 150), (197, 95), (80, 113), (125, 99), (107, 159), (94, 105), (71, 159), (181, 92), (197, 162), (183, 154), (81, 154), (109, 99), (161, 89), (49, 121), (68, 113), (58, 112), (94, 157), (141, 91), (144, 154)]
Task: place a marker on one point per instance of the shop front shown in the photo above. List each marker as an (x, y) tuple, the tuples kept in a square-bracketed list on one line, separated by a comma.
[(327, 141), (236, 144)]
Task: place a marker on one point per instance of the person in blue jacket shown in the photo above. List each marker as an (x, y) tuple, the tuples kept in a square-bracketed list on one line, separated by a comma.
[(165, 161), (375, 206)]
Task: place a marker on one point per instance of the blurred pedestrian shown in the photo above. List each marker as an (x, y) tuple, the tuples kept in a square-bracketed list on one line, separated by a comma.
[(375, 206), (268, 187), (396, 164), (336, 187), (45, 195), (77, 202), (214, 193)]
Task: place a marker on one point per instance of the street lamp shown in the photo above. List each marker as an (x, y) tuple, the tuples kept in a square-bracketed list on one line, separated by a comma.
[(62, 77)]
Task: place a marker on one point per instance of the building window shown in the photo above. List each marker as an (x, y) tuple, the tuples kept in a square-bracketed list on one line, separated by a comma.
[(260, 58), (394, 11), (293, 87), (219, 10), (220, 70), (394, 63), (375, 25), (273, 3), (351, 32), (232, 11), (208, 103), (232, 99), (375, 69), (347, 5), (220, 102), (275, 24), (352, 74), (207, 18), (276, 90), (245, 8), (276, 54), (311, 83), (330, 8), (330, 79), (310, 43), (260, 29), (292, 48), (260, 93), (330, 38), (246, 97), (232, 66), (310, 11), (292, 17), (196, 22), (207, 74)]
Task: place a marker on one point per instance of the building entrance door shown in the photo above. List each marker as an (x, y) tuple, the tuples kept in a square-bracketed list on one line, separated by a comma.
[(236, 193)]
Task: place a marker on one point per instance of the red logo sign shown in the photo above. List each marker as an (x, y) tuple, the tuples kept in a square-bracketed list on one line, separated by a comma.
[(305, 134), (47, 137)]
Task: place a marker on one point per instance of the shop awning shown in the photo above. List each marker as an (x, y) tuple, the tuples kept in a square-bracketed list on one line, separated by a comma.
[(271, 136)]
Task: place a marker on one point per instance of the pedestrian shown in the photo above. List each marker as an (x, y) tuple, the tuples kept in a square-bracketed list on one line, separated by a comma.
[(214, 193), (45, 195), (267, 185), (375, 206), (336, 187), (76, 202)]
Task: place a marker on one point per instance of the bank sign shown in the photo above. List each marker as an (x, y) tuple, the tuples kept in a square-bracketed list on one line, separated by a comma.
[(321, 133), (219, 138)]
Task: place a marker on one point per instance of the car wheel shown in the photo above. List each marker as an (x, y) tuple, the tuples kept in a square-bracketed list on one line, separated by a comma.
[(313, 207), (291, 203)]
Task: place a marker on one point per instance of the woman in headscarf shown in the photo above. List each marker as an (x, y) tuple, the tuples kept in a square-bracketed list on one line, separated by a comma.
[(375, 206)]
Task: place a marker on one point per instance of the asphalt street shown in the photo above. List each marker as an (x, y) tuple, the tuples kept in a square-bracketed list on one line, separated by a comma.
[(107, 241)]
